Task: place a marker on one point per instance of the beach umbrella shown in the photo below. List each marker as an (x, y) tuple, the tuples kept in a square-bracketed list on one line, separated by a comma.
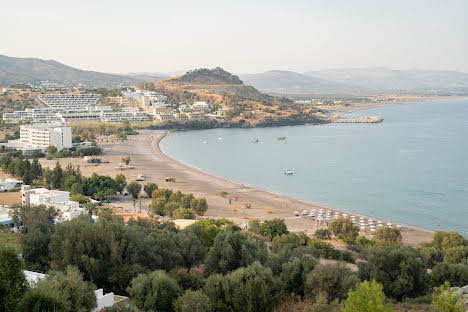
[(389, 224), (398, 226), (296, 213)]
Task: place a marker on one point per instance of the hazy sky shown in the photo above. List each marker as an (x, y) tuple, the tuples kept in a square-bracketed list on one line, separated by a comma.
[(240, 36)]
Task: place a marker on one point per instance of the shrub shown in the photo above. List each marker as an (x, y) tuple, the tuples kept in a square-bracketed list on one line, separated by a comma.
[(322, 234)]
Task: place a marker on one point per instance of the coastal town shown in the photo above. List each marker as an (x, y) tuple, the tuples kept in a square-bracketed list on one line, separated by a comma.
[(233, 156)]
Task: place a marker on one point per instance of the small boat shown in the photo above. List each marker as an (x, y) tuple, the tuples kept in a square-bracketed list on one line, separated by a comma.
[(254, 140), (204, 142), (288, 172), (220, 139), (281, 138)]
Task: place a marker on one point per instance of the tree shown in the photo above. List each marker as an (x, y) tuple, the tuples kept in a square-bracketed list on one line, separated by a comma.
[(120, 182), (294, 273), (149, 188), (156, 206), (443, 240), (51, 149), (210, 228), (97, 183), (170, 207), (388, 235), (324, 234), (252, 289), (322, 305), (57, 176), (368, 297), (26, 217), (182, 213), (95, 248), (401, 270), (232, 250), (69, 286), (191, 249), (12, 280), (199, 206), (42, 300), (254, 225), (76, 189), (154, 292), (126, 160), (447, 299), (343, 227), (27, 179), (331, 280), (36, 169), (34, 246), (456, 274), (273, 228), (134, 189), (193, 301)]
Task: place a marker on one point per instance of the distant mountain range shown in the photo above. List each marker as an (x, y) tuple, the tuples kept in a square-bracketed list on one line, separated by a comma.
[(32, 70), (355, 81), (287, 82), (332, 81)]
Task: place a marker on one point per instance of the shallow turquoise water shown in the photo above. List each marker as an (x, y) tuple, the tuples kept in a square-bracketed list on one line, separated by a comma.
[(411, 169)]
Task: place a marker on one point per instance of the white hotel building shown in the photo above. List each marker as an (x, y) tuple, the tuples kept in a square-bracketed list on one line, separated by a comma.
[(69, 101), (38, 137)]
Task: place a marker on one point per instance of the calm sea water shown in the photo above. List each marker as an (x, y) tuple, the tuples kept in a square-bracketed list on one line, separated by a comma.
[(411, 169)]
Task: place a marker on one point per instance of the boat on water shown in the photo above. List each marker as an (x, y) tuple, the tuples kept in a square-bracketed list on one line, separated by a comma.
[(220, 139), (254, 140), (288, 172), (204, 142), (281, 138)]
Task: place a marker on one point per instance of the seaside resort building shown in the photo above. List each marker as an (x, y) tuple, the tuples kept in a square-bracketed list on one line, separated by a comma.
[(36, 138)]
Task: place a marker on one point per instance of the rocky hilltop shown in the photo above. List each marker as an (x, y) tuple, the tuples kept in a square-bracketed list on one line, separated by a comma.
[(204, 76)]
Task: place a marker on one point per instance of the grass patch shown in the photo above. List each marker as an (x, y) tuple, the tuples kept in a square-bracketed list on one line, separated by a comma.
[(10, 240)]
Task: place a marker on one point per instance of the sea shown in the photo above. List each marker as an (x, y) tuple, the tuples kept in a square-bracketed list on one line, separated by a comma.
[(411, 169)]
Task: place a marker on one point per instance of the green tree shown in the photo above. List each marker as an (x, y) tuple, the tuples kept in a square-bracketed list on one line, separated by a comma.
[(254, 225), (76, 189), (149, 188), (273, 228), (154, 292), (210, 229), (182, 213), (322, 305), (401, 270), (19, 168), (331, 280), (120, 182), (199, 206), (34, 246), (77, 294), (36, 169), (97, 183), (12, 280), (368, 297), (447, 299), (193, 301), (294, 273), (51, 149), (232, 250), (157, 205), (456, 274), (191, 249), (126, 160), (343, 228), (443, 240), (324, 234), (42, 300), (57, 176), (170, 207), (252, 289), (388, 235), (134, 189)]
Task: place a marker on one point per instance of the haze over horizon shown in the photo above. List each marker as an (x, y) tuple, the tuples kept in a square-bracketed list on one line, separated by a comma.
[(239, 36)]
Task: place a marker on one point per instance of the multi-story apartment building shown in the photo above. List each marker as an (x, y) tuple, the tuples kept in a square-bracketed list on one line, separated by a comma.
[(127, 113), (60, 200), (39, 137), (34, 115), (69, 101), (155, 98)]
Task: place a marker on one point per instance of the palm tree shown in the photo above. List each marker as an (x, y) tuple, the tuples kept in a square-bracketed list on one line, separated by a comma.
[(134, 204)]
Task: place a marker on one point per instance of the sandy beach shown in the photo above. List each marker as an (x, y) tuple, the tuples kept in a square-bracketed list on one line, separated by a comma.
[(149, 160)]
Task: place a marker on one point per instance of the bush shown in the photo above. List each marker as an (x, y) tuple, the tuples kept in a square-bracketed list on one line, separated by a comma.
[(322, 234), (368, 297), (331, 280), (182, 213), (456, 274), (149, 188), (388, 235), (343, 227), (273, 228), (155, 291), (193, 301)]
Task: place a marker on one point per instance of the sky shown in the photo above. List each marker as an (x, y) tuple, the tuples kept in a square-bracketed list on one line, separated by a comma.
[(240, 36)]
